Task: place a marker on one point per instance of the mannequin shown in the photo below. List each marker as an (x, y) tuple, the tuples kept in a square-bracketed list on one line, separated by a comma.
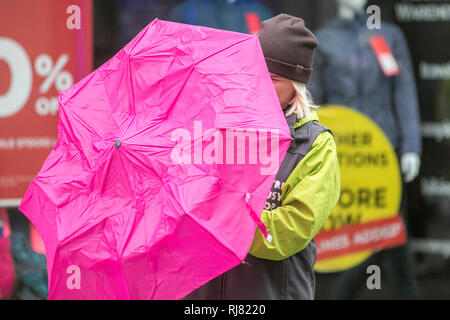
[(347, 9), (347, 72), (409, 161)]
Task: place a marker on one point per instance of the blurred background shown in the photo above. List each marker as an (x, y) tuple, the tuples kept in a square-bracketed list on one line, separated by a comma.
[(47, 45)]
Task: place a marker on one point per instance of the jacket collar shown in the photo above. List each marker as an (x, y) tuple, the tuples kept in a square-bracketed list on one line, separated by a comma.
[(302, 121), (299, 135)]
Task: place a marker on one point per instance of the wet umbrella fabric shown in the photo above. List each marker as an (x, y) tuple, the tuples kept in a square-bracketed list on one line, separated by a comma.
[(147, 194)]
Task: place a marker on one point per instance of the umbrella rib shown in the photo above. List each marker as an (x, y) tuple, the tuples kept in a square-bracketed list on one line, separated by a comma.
[(186, 213), (195, 63), (212, 235), (179, 92), (73, 141), (131, 86), (223, 49), (139, 38)]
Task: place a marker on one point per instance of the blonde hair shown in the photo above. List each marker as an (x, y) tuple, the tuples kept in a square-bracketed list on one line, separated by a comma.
[(303, 102)]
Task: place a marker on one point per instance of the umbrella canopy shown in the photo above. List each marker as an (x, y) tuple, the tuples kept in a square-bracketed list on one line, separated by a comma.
[(165, 157)]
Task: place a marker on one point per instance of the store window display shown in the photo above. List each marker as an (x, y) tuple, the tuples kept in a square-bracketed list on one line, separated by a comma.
[(348, 71), (234, 15)]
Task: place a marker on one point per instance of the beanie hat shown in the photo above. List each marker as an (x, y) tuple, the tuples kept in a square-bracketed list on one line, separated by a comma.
[(288, 47)]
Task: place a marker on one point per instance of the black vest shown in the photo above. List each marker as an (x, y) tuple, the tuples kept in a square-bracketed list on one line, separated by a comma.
[(261, 279)]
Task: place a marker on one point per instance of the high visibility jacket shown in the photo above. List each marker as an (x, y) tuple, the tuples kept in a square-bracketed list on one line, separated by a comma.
[(306, 189), (307, 198)]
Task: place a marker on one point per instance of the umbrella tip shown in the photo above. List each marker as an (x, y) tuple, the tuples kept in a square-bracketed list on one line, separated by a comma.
[(117, 143)]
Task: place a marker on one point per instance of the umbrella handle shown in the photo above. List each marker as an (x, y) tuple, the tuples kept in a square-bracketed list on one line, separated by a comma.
[(257, 219)]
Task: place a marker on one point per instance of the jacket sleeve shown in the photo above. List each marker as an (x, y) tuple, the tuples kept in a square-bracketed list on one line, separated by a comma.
[(308, 196), (405, 97)]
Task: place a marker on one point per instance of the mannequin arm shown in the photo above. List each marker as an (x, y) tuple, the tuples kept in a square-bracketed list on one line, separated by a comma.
[(405, 98)]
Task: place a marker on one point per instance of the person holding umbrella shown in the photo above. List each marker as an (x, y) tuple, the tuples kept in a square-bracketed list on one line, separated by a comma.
[(121, 219), (306, 188)]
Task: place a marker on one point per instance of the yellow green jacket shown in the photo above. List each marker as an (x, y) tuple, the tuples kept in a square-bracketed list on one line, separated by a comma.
[(307, 199), (284, 268)]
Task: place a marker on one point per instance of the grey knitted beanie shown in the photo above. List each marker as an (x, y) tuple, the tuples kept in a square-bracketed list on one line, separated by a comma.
[(288, 47)]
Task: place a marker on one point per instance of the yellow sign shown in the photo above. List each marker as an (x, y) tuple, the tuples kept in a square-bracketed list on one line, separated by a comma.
[(370, 183)]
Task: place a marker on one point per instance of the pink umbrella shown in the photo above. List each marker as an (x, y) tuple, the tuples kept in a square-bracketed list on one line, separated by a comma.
[(165, 157)]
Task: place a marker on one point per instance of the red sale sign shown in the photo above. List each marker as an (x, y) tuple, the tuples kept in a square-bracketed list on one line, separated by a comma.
[(374, 235), (45, 47)]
